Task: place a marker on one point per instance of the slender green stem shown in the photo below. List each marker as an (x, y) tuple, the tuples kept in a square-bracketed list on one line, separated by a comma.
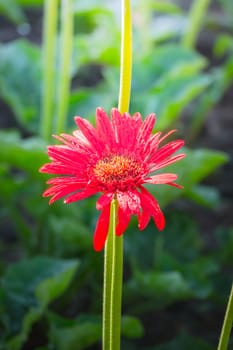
[(227, 324), (126, 57), (49, 47), (113, 263), (117, 276), (64, 78), (108, 279), (197, 13), (113, 266)]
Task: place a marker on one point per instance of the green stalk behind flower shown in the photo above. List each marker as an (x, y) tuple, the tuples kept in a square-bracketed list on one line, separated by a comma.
[(48, 66), (113, 267)]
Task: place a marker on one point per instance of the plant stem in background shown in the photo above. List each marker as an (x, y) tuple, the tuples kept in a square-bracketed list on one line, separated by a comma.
[(49, 48), (113, 267), (227, 324), (64, 77), (196, 16)]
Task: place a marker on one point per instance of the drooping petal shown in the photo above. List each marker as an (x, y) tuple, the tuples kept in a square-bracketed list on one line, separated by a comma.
[(150, 205), (143, 219), (123, 219), (165, 178), (101, 230), (104, 200), (129, 201)]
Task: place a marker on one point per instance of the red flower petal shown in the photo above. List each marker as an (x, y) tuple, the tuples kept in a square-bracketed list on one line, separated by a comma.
[(150, 205), (126, 130), (165, 178), (166, 151), (146, 128), (90, 133), (68, 156), (104, 128), (80, 195), (123, 220), (101, 230), (114, 158), (166, 162), (129, 201), (143, 219), (104, 200)]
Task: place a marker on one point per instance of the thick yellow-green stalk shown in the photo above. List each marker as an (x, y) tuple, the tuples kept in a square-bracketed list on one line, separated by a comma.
[(126, 57), (113, 266)]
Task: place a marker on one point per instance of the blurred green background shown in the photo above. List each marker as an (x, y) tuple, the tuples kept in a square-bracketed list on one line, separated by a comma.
[(176, 282)]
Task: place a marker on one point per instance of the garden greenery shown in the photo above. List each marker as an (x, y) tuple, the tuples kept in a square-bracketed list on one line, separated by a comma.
[(51, 279)]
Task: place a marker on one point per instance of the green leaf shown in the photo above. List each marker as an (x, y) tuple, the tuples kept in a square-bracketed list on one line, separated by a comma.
[(204, 195), (76, 335), (157, 67), (149, 290), (20, 81), (71, 234), (169, 100), (86, 330), (224, 43), (30, 2), (12, 10), (24, 154), (132, 327), (191, 170), (183, 342), (28, 288), (165, 6)]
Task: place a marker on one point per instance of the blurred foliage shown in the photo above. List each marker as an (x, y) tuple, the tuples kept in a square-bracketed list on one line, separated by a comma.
[(51, 278)]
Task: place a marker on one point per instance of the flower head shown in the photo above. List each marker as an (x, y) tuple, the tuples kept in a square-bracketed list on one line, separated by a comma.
[(114, 158)]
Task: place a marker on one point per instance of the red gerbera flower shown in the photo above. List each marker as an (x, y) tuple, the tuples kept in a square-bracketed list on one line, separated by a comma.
[(114, 158)]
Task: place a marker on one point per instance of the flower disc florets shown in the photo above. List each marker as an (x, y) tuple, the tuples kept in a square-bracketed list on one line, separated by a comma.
[(118, 171), (115, 158)]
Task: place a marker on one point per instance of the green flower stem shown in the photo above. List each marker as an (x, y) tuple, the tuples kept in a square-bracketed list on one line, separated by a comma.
[(197, 13), (227, 324), (49, 47), (113, 266), (64, 78), (113, 261)]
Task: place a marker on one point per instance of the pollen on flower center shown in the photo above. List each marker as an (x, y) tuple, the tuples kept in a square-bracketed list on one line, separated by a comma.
[(115, 169)]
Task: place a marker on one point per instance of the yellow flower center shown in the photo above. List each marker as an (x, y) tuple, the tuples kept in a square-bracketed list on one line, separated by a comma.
[(115, 169)]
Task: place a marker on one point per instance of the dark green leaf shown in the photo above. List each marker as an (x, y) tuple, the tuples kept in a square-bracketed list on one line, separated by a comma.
[(27, 154), (29, 287), (20, 80)]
